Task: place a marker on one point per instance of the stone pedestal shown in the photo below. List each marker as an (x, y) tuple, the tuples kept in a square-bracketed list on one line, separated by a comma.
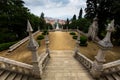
[(105, 44), (97, 66)]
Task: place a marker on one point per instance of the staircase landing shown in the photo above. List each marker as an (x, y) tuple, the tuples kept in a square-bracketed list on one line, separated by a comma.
[(63, 66)]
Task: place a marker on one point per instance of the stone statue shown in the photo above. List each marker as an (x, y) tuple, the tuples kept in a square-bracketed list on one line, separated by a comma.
[(93, 29)]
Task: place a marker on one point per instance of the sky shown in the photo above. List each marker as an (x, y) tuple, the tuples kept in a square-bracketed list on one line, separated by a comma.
[(61, 9)]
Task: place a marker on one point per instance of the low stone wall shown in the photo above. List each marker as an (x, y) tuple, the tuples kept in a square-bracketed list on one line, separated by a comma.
[(87, 63), (13, 47)]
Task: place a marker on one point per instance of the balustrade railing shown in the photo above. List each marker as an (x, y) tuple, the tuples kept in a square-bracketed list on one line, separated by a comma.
[(43, 60), (111, 67), (15, 66), (84, 60)]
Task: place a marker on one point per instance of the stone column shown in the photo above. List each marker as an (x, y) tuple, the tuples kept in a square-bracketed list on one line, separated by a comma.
[(33, 46), (104, 45)]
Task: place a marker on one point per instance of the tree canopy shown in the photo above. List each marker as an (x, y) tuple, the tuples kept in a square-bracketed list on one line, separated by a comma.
[(13, 20), (105, 10)]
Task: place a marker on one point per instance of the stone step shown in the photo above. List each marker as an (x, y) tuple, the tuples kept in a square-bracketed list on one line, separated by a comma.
[(18, 77), (102, 78), (110, 77), (11, 76), (116, 76), (1, 72), (8, 75), (25, 77), (4, 75)]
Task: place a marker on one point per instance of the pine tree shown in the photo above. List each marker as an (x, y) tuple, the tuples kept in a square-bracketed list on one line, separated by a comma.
[(80, 14)]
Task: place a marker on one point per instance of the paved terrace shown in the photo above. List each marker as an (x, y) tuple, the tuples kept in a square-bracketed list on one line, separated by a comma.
[(63, 66)]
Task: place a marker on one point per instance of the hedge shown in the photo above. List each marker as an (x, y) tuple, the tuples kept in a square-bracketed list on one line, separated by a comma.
[(40, 37), (75, 37), (83, 41), (72, 33), (45, 32), (5, 46)]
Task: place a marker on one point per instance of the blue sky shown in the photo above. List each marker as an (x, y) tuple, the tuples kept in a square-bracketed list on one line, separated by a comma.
[(55, 8)]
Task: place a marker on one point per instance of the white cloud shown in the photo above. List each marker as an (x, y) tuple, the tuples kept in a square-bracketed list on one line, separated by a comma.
[(55, 8)]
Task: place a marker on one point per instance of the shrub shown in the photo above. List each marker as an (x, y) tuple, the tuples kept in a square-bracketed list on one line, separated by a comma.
[(75, 37), (39, 42), (40, 37), (45, 32), (72, 33), (83, 41), (5, 46)]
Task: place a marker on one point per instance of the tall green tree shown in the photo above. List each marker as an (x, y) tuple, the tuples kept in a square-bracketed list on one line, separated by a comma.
[(74, 17), (13, 16), (80, 14), (106, 10), (42, 21)]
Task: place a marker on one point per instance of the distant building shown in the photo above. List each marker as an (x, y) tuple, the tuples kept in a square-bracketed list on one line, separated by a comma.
[(52, 21)]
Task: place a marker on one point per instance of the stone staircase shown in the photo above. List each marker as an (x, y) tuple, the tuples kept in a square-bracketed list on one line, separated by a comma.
[(63, 66), (111, 76), (111, 71), (9, 75)]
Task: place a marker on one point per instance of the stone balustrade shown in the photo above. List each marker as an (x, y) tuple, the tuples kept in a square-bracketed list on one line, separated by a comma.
[(84, 60), (111, 67), (15, 66), (43, 60), (13, 47)]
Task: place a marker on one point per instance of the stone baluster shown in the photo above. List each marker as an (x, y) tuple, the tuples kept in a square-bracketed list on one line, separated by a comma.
[(105, 44), (33, 46)]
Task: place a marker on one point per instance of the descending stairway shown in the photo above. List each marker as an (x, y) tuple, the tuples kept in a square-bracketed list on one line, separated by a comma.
[(7, 75), (63, 66)]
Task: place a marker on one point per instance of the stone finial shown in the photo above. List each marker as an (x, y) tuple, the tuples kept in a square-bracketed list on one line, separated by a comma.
[(32, 45), (106, 42), (111, 26), (29, 27)]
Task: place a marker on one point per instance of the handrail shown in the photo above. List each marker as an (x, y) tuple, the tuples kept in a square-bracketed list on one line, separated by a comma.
[(84, 60), (13, 62), (111, 64), (43, 61)]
